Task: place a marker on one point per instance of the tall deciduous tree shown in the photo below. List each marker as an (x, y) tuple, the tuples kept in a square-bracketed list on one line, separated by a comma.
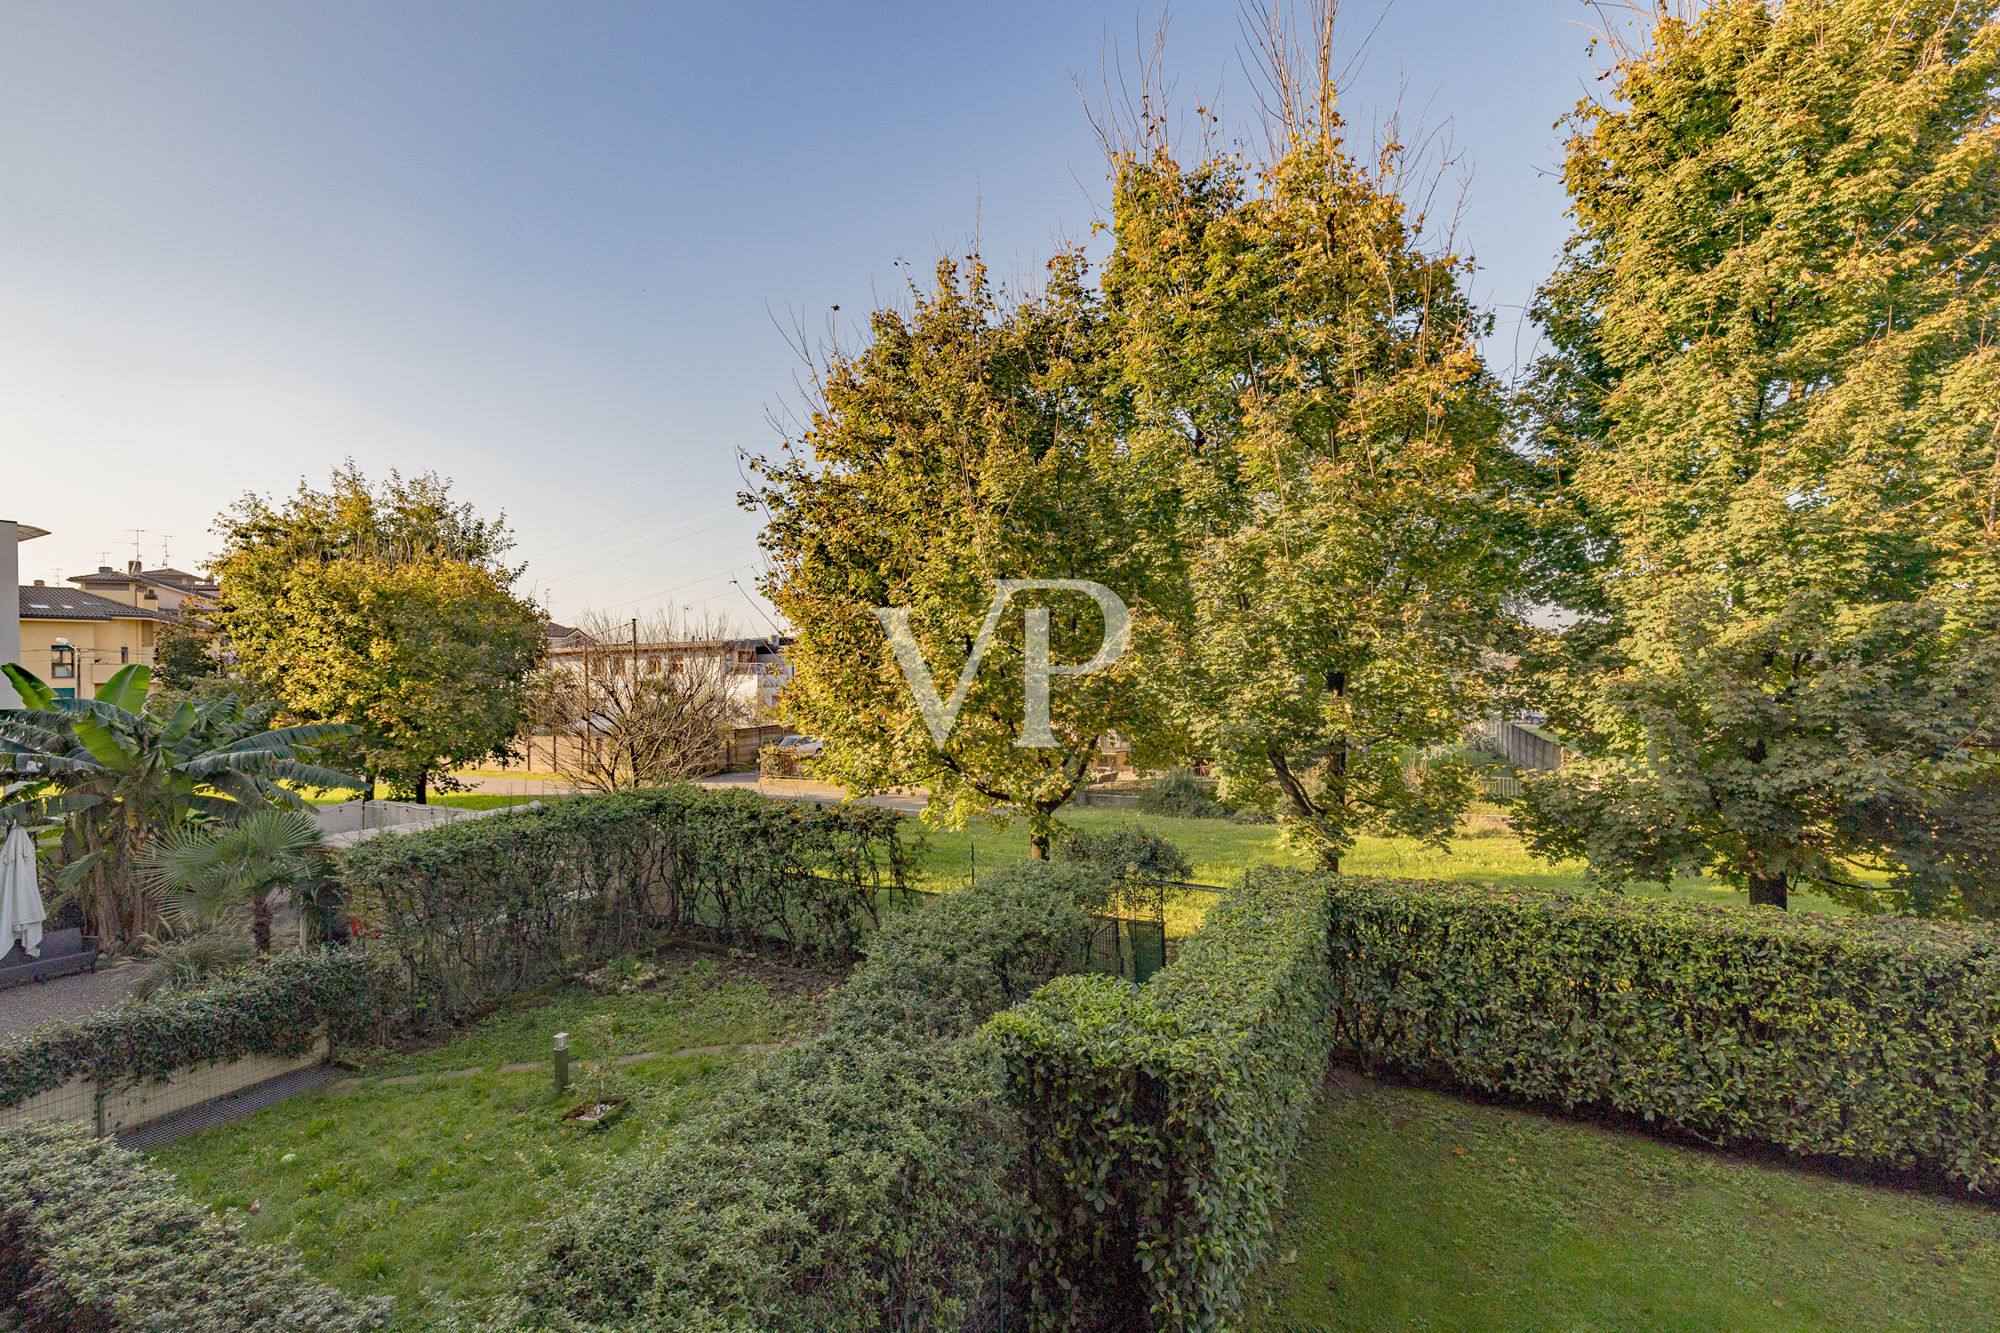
[(973, 439), (384, 606), (1354, 517), (1781, 314)]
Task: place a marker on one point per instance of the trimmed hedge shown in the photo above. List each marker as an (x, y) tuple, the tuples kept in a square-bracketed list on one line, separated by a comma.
[(1160, 1119), (94, 1239), (482, 909), (278, 1006), (857, 1183), (1872, 1040)]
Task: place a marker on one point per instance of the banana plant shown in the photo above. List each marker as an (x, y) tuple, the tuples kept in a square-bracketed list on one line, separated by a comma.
[(201, 877), (115, 773)]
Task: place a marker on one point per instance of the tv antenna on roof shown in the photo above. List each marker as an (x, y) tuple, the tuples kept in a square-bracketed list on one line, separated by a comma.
[(165, 559)]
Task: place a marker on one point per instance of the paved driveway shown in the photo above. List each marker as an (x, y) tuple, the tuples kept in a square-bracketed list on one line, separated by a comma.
[(21, 1007)]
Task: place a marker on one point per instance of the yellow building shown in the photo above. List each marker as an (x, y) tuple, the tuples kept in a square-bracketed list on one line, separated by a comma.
[(77, 640)]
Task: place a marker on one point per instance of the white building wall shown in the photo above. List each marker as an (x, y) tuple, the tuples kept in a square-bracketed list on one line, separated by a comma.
[(10, 611)]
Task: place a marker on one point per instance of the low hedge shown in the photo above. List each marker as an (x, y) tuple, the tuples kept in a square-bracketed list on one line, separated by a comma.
[(1871, 1040), (481, 909), (278, 1006), (856, 1184), (94, 1239), (1159, 1120)]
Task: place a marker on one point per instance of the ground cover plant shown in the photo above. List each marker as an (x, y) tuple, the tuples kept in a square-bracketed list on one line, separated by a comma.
[(1411, 1209), (94, 1239), (426, 1190)]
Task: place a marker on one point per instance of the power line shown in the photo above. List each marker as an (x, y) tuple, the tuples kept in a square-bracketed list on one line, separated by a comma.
[(576, 562)]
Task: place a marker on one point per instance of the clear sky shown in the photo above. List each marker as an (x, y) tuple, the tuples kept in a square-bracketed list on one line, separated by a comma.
[(551, 251)]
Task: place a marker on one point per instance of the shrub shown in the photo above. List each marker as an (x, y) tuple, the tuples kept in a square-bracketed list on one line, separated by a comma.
[(481, 909), (194, 961), (855, 1183), (1159, 1119), (94, 1239), (1180, 794), (278, 1006), (1874, 1040), (1130, 852)]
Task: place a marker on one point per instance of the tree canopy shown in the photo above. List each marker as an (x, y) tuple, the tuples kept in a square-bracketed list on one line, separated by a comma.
[(386, 606), (1777, 387)]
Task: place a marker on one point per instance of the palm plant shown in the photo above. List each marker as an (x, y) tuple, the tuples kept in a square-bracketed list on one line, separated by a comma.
[(116, 774), (203, 876)]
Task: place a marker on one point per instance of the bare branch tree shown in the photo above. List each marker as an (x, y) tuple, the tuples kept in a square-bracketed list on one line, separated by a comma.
[(637, 702)]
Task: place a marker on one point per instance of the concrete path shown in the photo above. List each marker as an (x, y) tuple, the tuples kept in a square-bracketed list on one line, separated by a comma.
[(21, 1007)]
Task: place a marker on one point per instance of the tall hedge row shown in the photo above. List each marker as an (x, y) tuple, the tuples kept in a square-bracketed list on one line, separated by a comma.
[(482, 909), (94, 1239), (279, 1006), (856, 1184), (1158, 1120), (1869, 1040)]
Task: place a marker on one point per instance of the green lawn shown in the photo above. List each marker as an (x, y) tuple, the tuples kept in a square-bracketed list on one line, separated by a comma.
[(464, 800), (426, 1190), (1486, 850), (1414, 1210)]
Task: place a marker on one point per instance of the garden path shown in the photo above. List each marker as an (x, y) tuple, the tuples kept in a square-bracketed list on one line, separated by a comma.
[(21, 1007)]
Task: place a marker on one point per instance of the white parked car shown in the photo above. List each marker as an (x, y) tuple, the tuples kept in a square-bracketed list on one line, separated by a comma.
[(805, 747)]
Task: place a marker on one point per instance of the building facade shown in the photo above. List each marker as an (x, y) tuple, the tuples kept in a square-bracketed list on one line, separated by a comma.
[(76, 641)]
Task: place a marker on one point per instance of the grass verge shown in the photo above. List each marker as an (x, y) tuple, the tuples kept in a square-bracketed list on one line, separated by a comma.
[(1486, 849), (1414, 1210), (426, 1190)]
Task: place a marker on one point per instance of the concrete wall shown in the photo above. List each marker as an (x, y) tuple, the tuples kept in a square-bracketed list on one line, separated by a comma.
[(124, 1107)]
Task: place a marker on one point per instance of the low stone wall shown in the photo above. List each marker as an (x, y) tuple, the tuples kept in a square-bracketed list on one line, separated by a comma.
[(119, 1109)]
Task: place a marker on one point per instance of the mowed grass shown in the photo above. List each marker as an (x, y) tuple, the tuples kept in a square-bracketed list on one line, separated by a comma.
[(1415, 1210), (1485, 850), (427, 1191)]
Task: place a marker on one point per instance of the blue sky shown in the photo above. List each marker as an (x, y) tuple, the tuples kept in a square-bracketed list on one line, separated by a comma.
[(552, 251)]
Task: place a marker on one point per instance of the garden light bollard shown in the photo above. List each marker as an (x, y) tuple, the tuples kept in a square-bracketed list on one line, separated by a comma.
[(562, 1061)]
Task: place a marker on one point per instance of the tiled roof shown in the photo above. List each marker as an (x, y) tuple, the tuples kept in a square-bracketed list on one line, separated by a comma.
[(177, 579), (69, 604)]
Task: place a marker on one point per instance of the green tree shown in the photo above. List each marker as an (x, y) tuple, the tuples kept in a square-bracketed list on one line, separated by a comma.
[(1777, 323), (117, 773), (386, 607), (1355, 519), (202, 876), (972, 439), (183, 656)]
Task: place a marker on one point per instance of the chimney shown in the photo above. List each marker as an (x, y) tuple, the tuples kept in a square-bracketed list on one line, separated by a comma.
[(40, 584), (134, 566)]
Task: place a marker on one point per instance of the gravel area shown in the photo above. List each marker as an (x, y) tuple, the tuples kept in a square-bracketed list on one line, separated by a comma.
[(21, 1007)]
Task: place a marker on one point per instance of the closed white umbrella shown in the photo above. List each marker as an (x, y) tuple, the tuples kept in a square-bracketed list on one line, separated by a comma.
[(21, 913)]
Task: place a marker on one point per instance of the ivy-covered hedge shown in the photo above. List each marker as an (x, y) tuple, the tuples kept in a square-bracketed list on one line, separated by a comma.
[(278, 1006), (481, 909), (1159, 1120), (1873, 1040), (857, 1183), (94, 1239)]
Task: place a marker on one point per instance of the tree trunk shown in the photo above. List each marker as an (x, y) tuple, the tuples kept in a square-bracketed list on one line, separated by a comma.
[(1768, 891), (423, 787), (260, 922)]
